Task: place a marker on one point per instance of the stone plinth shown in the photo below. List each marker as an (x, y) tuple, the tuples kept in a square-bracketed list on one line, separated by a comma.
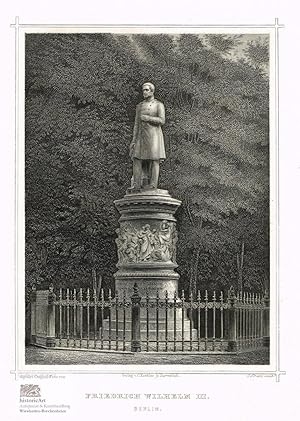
[(43, 329), (147, 243)]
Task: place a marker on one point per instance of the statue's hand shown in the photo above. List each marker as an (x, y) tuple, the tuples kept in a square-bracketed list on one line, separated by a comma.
[(145, 117)]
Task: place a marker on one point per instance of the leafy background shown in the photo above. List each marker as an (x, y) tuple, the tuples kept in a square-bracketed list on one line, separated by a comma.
[(81, 94)]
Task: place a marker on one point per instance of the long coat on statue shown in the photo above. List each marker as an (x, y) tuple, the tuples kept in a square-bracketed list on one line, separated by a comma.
[(147, 135)]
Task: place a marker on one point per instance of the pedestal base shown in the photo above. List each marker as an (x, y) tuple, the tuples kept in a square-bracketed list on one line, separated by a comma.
[(147, 258), (151, 329), (152, 278)]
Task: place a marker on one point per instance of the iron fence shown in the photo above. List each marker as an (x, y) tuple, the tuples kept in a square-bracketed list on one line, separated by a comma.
[(207, 322)]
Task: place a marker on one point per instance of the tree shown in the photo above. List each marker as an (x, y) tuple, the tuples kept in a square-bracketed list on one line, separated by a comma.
[(218, 126), (223, 44), (257, 54), (81, 92)]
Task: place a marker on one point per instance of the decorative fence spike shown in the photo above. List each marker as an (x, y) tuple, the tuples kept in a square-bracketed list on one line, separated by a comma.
[(60, 316), (135, 320), (157, 320), (175, 320), (74, 317), (124, 321), (191, 320), (240, 320), (166, 320), (147, 320), (255, 319), (88, 318), (214, 321), (221, 320), (109, 319), (102, 317), (182, 319), (81, 317), (68, 316), (199, 319), (232, 321), (95, 299), (206, 319), (266, 319), (117, 319)]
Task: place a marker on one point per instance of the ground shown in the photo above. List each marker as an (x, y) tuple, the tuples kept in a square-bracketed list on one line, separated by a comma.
[(41, 356)]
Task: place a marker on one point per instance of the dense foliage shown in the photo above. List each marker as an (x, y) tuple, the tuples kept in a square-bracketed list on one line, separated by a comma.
[(81, 93)]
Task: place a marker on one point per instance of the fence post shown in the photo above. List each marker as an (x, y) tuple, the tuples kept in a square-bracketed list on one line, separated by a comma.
[(266, 320), (232, 339), (135, 320), (33, 315), (50, 341)]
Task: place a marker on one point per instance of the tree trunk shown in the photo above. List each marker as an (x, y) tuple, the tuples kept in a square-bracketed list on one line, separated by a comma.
[(194, 271), (94, 278), (97, 285), (188, 211), (240, 266)]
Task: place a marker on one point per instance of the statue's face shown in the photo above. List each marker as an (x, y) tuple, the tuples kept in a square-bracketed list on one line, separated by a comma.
[(147, 91)]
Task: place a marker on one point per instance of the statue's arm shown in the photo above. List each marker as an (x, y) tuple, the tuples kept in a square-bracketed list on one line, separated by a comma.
[(136, 123), (161, 117), (135, 131)]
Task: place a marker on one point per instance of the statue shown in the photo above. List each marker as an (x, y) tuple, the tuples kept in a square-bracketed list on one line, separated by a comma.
[(147, 148), (165, 240), (146, 238)]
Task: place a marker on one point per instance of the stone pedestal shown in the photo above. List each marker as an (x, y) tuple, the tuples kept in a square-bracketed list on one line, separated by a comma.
[(146, 245), (43, 330)]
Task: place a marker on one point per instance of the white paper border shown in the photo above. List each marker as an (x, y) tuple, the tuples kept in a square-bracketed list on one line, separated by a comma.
[(20, 367)]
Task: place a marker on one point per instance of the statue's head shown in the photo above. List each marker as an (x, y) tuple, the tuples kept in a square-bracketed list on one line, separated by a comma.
[(148, 89)]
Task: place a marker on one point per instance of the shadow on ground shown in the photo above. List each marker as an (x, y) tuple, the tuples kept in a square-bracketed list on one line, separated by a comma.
[(40, 356)]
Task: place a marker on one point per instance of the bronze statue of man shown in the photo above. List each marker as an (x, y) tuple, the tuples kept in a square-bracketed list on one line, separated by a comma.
[(147, 148)]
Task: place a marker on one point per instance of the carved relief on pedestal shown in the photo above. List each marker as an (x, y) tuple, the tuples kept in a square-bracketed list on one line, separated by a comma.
[(145, 244)]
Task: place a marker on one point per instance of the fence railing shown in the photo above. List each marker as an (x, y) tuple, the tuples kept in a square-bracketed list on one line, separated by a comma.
[(207, 322)]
